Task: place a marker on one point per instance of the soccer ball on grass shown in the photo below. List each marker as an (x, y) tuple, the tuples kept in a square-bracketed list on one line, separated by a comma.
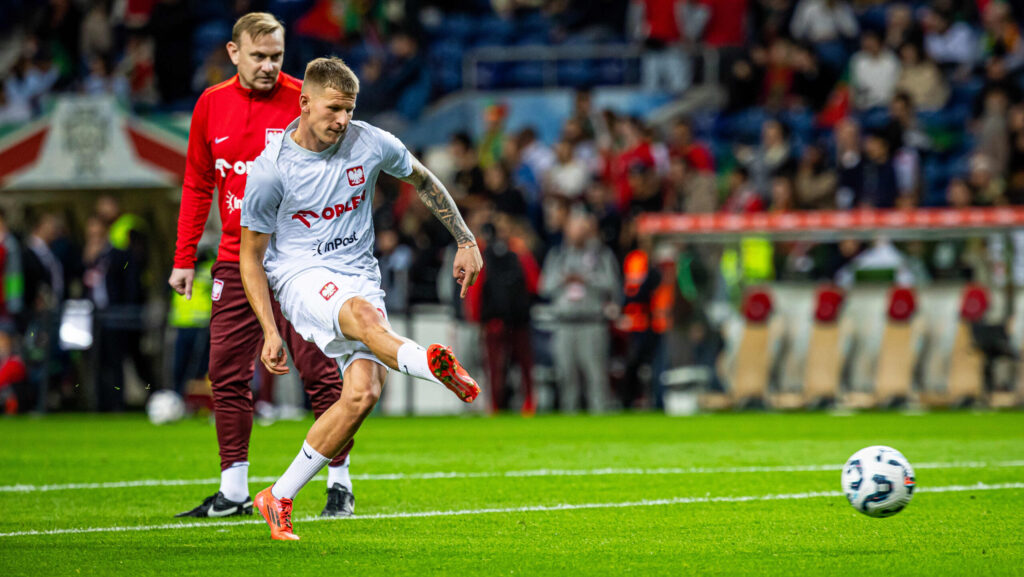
[(165, 407), (878, 481)]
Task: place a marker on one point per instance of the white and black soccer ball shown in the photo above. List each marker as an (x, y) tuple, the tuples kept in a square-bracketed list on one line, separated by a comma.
[(165, 407), (878, 481)]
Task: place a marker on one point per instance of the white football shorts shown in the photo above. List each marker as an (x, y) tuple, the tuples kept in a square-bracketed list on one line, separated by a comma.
[(311, 301)]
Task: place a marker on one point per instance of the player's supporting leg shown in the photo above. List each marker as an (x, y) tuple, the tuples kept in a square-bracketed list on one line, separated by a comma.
[(235, 341), (360, 320), (329, 435), (321, 379)]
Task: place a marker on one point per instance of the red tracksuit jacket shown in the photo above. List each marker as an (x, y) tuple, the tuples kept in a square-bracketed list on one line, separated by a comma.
[(230, 128)]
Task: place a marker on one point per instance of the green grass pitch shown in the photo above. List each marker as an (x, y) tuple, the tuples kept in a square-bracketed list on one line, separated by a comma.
[(642, 494)]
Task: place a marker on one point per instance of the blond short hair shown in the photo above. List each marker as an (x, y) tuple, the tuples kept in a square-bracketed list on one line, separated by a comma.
[(331, 73), (256, 24)]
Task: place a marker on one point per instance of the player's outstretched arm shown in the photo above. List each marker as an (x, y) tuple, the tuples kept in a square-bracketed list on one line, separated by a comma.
[(257, 291), (468, 262)]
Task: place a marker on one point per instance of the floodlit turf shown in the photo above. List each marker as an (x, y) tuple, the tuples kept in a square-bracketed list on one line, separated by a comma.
[(690, 472)]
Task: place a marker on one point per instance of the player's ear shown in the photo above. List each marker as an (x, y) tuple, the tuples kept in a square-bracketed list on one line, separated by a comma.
[(304, 102), (233, 52)]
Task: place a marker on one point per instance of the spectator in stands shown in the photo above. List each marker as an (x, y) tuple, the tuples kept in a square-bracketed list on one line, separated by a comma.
[(950, 44), (137, 65), (97, 31), (769, 158), (580, 278), (59, 30), (828, 25), (103, 80), (958, 194), (395, 259), (742, 197), (812, 82), (742, 84), (28, 83), (601, 204), (501, 195), (996, 80), (874, 72), (921, 79), (726, 25), (815, 183), (489, 148), (783, 198), (507, 290), (1001, 36), (900, 27), (992, 132), (904, 128), (659, 25), (569, 176), (584, 148), (681, 144), (648, 193), (879, 188), (13, 111), (633, 147), (777, 75), (689, 190), (987, 185), (849, 163), (1015, 180), (469, 179)]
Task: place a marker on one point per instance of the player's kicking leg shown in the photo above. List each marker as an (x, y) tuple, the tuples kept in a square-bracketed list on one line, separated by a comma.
[(364, 380)]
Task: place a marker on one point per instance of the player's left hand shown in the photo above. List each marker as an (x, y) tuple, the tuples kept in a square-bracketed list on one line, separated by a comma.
[(468, 264), (273, 356)]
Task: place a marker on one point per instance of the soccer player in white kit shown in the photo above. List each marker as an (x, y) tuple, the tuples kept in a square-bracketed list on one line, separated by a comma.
[(307, 233)]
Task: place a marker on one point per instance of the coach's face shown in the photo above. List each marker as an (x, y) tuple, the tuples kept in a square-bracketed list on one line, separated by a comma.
[(259, 60), (329, 111)]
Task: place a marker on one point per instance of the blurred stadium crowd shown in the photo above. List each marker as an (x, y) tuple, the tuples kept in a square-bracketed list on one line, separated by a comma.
[(822, 104)]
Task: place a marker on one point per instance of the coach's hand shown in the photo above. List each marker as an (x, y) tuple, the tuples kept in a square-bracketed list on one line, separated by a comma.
[(468, 264), (274, 356), (181, 281)]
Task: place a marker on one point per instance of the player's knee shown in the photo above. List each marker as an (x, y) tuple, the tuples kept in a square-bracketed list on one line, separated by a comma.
[(365, 396), (363, 320)]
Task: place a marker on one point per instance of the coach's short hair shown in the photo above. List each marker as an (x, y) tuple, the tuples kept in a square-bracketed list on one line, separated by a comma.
[(256, 24), (331, 73)]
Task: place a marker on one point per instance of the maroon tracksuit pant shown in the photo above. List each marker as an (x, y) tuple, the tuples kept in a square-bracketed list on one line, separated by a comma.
[(236, 341)]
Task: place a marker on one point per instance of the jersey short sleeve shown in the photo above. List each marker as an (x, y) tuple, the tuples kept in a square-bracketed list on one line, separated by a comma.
[(263, 194), (395, 157)]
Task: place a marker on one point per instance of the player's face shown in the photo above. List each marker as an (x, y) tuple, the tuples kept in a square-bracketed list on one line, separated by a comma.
[(329, 112), (259, 60)]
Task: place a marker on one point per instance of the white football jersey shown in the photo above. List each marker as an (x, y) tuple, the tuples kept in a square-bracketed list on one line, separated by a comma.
[(318, 206)]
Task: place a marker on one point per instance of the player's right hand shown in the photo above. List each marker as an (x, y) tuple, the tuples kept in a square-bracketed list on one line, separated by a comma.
[(181, 281), (274, 357)]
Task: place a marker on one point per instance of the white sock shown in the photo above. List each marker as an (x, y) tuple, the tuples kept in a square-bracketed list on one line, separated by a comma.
[(412, 360), (339, 475), (305, 466), (234, 481)]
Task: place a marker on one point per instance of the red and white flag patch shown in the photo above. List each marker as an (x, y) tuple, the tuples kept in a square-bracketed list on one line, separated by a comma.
[(328, 291), (355, 176), (218, 288)]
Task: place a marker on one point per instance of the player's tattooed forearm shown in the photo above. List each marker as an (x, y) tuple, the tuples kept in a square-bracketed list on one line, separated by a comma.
[(440, 202)]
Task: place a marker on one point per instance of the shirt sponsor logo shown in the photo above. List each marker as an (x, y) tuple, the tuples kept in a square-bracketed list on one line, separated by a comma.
[(326, 247), (218, 288), (355, 176), (328, 290), (232, 202), (272, 132), (239, 167), (329, 212)]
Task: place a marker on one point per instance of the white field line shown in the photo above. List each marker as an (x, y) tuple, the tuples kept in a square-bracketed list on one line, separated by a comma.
[(23, 488), (526, 509)]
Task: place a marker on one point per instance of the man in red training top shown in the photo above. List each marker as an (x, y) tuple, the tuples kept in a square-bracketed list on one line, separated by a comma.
[(231, 124)]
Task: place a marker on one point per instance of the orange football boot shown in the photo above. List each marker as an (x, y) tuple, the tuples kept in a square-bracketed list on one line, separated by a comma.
[(278, 513), (447, 369)]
